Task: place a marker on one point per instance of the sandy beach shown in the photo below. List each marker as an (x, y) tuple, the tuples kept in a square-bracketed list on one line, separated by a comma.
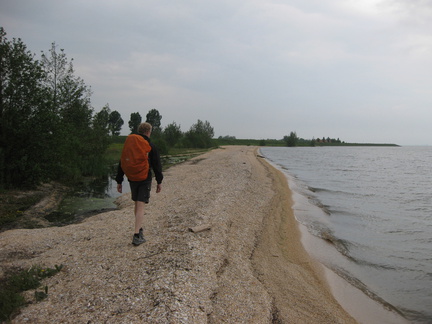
[(248, 267)]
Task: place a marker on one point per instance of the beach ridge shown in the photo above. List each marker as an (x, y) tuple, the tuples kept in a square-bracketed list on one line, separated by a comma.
[(246, 264)]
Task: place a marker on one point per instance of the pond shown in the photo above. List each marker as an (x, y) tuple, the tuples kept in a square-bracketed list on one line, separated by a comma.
[(93, 197)]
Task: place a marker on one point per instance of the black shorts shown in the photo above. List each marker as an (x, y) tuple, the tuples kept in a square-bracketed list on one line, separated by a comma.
[(140, 190)]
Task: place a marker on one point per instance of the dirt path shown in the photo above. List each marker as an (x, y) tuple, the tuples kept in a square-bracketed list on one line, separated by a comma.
[(248, 268)]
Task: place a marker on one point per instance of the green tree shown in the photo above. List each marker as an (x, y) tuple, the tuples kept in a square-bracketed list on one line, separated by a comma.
[(101, 119), (200, 135), (313, 142), (172, 134), (115, 123), (135, 120), (291, 140), (70, 99), (97, 141), (25, 120), (154, 118), (56, 68), (47, 129)]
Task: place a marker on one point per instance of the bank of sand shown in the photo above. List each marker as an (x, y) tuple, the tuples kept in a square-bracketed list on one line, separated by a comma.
[(250, 267)]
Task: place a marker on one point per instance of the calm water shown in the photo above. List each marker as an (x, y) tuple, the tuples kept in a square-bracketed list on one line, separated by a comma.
[(86, 200), (375, 205)]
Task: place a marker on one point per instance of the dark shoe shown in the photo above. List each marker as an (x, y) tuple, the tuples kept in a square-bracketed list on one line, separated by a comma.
[(138, 239)]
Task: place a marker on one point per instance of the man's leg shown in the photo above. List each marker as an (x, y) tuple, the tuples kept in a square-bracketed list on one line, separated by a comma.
[(139, 215)]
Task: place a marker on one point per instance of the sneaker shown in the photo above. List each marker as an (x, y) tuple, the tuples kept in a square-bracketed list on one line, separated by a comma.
[(137, 240)]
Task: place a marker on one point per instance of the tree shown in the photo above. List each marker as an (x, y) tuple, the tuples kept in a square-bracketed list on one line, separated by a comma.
[(55, 66), (70, 100), (101, 119), (291, 140), (47, 128), (97, 143), (313, 142), (172, 134), (135, 120), (25, 121), (200, 135), (115, 123), (154, 118)]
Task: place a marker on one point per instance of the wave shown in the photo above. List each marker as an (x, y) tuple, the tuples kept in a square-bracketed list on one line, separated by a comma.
[(338, 192), (365, 289), (342, 246), (346, 248)]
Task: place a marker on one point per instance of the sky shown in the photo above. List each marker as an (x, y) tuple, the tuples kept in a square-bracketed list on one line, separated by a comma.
[(357, 70)]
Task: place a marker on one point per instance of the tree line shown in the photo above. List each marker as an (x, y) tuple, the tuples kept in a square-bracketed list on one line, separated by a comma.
[(200, 134), (48, 128), (294, 140)]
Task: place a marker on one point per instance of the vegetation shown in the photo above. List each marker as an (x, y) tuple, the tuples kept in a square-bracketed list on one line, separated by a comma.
[(135, 120), (45, 114), (199, 136), (14, 203), (17, 282), (291, 140)]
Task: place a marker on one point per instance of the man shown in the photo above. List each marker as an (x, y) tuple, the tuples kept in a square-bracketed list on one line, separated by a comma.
[(139, 157)]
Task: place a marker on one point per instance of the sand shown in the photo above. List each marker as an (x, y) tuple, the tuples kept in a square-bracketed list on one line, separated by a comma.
[(248, 267)]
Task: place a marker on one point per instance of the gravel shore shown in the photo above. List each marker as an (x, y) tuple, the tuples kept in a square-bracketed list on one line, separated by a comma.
[(248, 267)]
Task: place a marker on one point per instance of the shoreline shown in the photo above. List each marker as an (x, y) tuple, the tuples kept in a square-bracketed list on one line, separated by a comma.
[(306, 275), (250, 266)]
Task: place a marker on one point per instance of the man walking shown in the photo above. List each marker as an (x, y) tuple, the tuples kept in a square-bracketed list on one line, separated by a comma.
[(139, 157)]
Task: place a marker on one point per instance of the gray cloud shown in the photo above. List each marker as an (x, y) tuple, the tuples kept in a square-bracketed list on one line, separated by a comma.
[(357, 70)]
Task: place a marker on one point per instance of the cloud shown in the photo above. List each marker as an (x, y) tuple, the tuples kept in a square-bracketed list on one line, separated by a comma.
[(258, 69)]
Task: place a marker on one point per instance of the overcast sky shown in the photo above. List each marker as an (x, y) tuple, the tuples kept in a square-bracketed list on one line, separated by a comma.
[(358, 70)]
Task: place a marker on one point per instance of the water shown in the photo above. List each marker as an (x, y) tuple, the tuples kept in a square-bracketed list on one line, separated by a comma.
[(91, 198), (374, 204)]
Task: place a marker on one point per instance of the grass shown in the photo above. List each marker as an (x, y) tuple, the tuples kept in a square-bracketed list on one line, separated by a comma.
[(113, 152), (16, 282), (13, 203)]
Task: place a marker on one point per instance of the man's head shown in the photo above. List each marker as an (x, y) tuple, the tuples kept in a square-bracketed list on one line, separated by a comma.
[(145, 129)]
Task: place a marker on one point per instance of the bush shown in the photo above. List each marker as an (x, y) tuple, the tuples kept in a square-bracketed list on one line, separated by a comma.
[(15, 283)]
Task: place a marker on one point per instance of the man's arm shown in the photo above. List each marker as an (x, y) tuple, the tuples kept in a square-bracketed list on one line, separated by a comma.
[(119, 178), (156, 165)]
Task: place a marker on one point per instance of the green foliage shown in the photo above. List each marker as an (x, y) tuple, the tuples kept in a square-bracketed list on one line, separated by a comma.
[(291, 140), (13, 204), (172, 134), (135, 120), (47, 127), (199, 135), (17, 282), (231, 140), (81, 138), (115, 123), (160, 144), (154, 118), (22, 111)]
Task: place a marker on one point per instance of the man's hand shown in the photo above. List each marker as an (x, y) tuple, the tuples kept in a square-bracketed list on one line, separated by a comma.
[(119, 187), (158, 188)]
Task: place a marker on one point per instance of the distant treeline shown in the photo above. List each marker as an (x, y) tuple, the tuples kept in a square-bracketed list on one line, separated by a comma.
[(291, 141)]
